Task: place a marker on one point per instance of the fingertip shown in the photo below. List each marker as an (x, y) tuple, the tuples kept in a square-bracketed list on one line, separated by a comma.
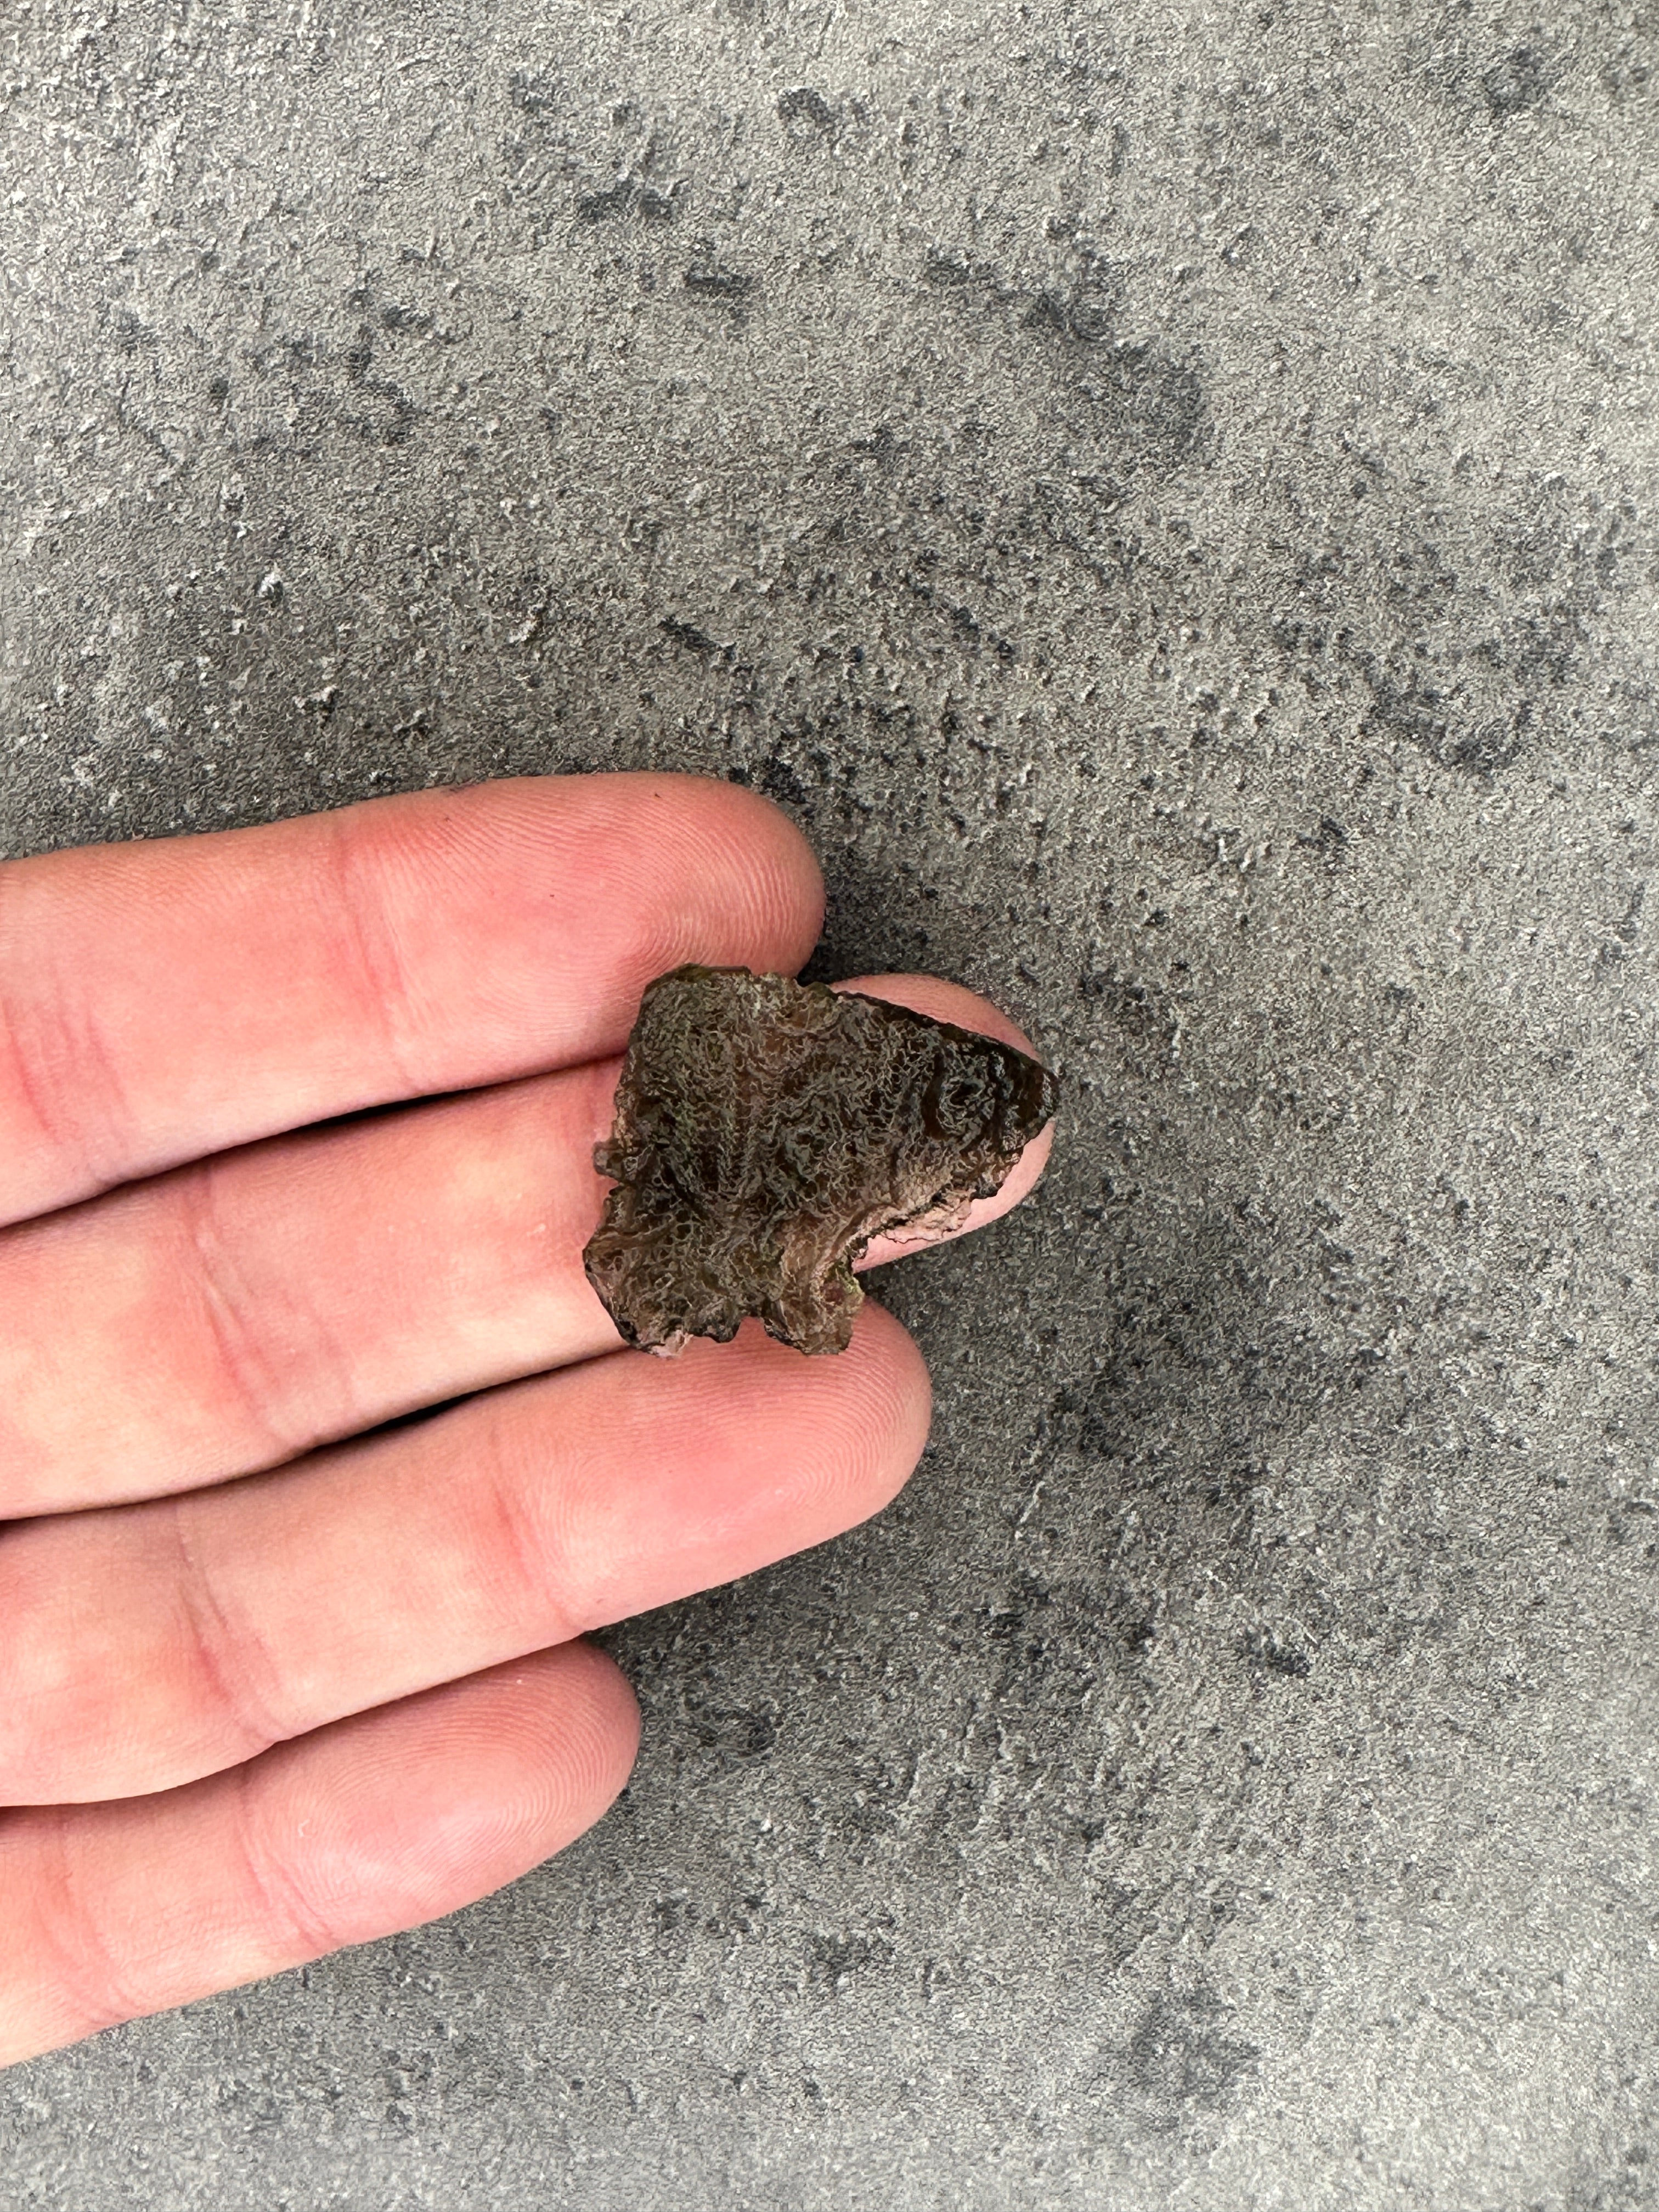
[(410, 1811), (791, 854), (605, 1725), (736, 1455), (785, 881), (1021, 1180), (900, 1392), (943, 1001)]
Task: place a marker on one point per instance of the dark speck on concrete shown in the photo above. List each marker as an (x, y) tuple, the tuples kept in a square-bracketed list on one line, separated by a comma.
[(943, 267), (1179, 2057), (1261, 1648), (614, 200), (715, 283), (802, 105), (1515, 83), (688, 634)]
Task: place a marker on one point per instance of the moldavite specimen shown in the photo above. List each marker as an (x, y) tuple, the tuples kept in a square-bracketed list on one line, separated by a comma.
[(767, 1130)]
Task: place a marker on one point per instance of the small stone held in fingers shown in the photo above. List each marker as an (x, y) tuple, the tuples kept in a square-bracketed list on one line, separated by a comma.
[(767, 1130)]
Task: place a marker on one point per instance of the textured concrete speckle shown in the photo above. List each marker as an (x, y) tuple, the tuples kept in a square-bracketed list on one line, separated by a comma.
[(1167, 500)]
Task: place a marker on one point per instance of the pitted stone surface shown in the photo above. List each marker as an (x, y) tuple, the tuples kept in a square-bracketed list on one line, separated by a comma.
[(767, 1131), (1166, 497)]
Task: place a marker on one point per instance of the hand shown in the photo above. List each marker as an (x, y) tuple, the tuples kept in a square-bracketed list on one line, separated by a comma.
[(265, 1689)]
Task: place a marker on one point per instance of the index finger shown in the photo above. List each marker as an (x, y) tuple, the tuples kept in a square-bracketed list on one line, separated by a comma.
[(159, 1001)]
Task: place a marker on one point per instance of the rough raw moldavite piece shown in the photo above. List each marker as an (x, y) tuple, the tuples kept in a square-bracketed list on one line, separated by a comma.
[(767, 1130)]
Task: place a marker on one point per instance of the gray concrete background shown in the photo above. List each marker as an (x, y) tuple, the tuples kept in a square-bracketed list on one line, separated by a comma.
[(1166, 497)]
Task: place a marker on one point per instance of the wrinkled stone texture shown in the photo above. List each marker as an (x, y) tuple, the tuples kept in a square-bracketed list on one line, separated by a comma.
[(1166, 496), (767, 1130)]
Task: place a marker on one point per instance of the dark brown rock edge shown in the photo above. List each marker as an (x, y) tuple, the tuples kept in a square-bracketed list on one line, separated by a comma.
[(767, 1130)]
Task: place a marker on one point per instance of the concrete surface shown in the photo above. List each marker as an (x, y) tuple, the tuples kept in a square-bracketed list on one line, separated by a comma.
[(1166, 496)]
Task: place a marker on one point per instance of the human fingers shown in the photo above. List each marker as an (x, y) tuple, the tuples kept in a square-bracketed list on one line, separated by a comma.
[(951, 1002), (240, 1310), (373, 1823), (159, 1001), (237, 1312), (146, 1646)]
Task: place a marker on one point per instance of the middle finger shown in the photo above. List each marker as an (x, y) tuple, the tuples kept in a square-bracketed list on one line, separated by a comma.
[(225, 1317), (147, 1645)]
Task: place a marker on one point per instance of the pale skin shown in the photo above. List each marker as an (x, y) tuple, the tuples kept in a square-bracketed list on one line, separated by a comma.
[(270, 1685)]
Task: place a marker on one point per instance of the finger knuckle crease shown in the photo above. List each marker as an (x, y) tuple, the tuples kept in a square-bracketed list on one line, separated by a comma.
[(239, 1342), (77, 1953), (273, 1881), (227, 1657), (66, 1074), (368, 947)]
